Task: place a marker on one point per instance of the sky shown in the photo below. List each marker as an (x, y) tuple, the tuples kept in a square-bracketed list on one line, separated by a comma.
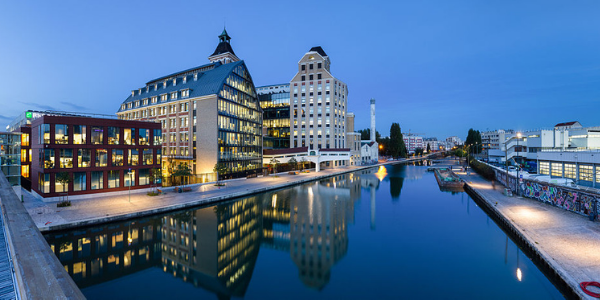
[(435, 67)]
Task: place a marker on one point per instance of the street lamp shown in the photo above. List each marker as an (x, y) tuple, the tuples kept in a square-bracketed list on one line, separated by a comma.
[(129, 173), (518, 165)]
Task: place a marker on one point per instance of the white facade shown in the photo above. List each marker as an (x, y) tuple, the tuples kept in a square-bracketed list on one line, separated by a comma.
[(318, 104), (369, 152), (413, 142), (433, 143), (453, 141)]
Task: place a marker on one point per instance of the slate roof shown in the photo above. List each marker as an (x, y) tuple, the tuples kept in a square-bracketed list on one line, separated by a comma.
[(211, 78), (223, 47), (566, 124), (319, 50)]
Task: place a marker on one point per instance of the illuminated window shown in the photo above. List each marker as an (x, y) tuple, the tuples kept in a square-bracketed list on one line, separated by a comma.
[(79, 134), (586, 173), (84, 157), (570, 171), (557, 169), (101, 158)]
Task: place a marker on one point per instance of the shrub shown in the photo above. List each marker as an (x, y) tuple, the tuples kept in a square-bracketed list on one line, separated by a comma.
[(152, 194), (482, 169), (63, 203)]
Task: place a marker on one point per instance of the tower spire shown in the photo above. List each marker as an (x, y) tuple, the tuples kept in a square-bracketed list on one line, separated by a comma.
[(224, 53)]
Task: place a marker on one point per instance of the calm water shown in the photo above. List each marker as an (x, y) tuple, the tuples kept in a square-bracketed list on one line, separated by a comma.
[(388, 233)]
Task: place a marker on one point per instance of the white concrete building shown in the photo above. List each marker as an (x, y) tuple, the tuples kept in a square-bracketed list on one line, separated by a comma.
[(413, 142)]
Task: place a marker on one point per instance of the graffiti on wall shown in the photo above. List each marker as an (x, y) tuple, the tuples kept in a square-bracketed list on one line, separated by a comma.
[(569, 199)]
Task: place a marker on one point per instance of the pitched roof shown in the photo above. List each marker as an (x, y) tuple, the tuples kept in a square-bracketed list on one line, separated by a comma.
[(319, 50), (223, 47), (566, 124), (211, 78)]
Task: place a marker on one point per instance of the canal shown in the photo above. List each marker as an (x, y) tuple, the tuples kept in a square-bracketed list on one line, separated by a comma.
[(380, 233)]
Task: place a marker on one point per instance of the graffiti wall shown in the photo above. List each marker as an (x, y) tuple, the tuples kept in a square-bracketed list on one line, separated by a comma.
[(564, 197)]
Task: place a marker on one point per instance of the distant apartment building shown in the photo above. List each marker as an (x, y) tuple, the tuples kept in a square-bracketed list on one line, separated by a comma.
[(318, 104), (98, 154), (275, 103), (413, 142), (453, 141), (433, 144), (209, 114)]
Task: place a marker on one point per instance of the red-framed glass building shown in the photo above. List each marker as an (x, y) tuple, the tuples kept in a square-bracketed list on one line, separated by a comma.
[(99, 154)]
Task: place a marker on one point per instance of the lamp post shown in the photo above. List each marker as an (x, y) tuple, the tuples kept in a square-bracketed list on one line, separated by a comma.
[(518, 165), (129, 173)]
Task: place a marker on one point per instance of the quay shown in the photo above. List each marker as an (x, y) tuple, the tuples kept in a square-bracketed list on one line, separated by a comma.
[(562, 242), (103, 209)]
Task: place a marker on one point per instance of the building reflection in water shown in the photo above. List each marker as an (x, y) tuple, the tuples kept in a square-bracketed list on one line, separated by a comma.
[(216, 247)]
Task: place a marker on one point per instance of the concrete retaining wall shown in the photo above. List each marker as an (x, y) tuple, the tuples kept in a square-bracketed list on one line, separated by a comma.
[(39, 273)]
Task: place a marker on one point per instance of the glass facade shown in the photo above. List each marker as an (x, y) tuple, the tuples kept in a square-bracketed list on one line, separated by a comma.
[(276, 118), (240, 125), (10, 157)]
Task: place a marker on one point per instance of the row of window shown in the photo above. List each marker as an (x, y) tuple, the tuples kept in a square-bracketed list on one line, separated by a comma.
[(185, 93), (566, 170), (97, 180), (66, 160), (78, 135)]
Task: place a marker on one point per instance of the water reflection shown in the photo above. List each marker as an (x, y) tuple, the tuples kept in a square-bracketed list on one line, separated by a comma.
[(216, 247)]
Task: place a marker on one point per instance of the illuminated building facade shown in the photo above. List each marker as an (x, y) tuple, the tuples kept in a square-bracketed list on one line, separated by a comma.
[(318, 104), (209, 114), (10, 157), (100, 155), (275, 103)]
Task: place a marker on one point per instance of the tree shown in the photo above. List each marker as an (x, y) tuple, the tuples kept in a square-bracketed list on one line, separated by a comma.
[(220, 168), (303, 162), (365, 135), (293, 162), (474, 140), (155, 173), (396, 145), (428, 148), (183, 171), (418, 151), (64, 178), (274, 163)]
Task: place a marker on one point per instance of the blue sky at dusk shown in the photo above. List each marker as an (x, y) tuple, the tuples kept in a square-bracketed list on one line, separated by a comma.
[(436, 67)]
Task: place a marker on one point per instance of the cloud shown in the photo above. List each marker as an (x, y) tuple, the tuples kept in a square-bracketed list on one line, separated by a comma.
[(73, 106), (5, 118), (35, 106)]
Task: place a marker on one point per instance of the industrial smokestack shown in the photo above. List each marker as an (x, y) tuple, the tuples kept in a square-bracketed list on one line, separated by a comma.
[(373, 120)]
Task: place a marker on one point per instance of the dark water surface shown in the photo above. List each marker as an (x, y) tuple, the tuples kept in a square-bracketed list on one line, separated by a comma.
[(379, 234)]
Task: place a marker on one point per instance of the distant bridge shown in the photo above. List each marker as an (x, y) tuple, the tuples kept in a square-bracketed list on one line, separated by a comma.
[(316, 156)]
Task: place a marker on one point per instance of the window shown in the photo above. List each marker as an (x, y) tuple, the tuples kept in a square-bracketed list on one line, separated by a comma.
[(163, 97), (44, 134), (303, 77), (129, 136), (44, 183), (101, 158), (130, 178), (79, 182), (147, 158), (97, 135), (586, 173), (114, 179), (158, 152), (97, 181), (173, 95), (144, 178), (48, 156), (113, 135), (157, 137), (310, 77), (133, 157), (154, 99), (66, 158), (310, 66), (144, 137), (570, 171), (117, 157), (319, 76), (58, 186), (25, 139), (557, 169), (303, 68), (79, 134), (544, 168), (84, 157), (185, 93), (319, 65), (25, 171)]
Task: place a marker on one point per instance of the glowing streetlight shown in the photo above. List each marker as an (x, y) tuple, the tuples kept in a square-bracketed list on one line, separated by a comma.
[(519, 274)]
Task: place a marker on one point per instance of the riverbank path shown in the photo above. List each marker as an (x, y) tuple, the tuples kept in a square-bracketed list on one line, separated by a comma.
[(569, 242)]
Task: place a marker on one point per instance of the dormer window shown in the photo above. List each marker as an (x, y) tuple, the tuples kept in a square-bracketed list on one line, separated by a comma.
[(132, 93), (122, 106), (163, 97), (145, 101), (156, 86), (137, 103), (173, 95), (147, 89), (129, 105), (174, 81), (139, 91), (195, 76), (154, 99), (184, 79), (164, 84), (185, 93)]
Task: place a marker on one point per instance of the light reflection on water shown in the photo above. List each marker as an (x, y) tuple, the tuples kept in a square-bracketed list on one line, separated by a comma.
[(386, 232)]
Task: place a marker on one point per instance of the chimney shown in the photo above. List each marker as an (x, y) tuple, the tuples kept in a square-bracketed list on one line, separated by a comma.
[(373, 130)]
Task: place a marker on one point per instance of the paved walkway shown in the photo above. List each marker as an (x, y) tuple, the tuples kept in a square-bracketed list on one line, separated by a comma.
[(569, 242), (118, 207)]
